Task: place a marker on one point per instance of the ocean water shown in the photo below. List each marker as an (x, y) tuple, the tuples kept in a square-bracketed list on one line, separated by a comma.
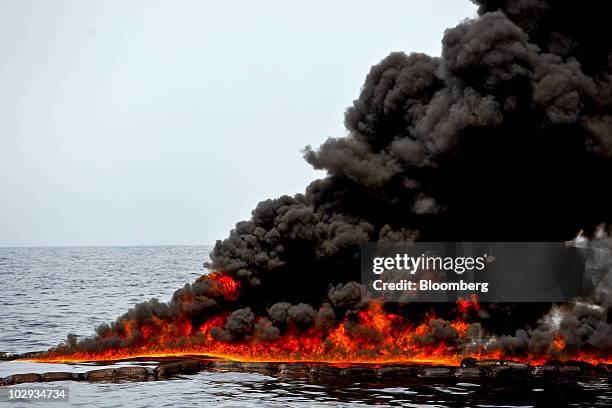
[(46, 293)]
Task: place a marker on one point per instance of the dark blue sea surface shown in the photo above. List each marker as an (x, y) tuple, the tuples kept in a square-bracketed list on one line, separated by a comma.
[(46, 293)]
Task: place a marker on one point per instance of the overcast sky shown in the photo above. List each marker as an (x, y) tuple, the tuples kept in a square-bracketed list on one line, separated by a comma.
[(165, 122)]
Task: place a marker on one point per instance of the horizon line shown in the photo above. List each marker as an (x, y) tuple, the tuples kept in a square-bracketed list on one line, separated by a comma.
[(104, 246)]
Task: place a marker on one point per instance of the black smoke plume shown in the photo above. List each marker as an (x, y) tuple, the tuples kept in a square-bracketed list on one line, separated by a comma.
[(507, 136)]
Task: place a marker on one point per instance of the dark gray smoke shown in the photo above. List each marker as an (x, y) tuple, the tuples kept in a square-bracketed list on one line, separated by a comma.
[(584, 325), (507, 136), (239, 324)]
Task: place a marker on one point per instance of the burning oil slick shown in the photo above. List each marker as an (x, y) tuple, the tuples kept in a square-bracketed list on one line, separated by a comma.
[(505, 137)]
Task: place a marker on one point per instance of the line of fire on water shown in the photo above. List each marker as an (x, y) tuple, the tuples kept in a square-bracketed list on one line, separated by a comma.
[(297, 347), (84, 358), (450, 360), (382, 338)]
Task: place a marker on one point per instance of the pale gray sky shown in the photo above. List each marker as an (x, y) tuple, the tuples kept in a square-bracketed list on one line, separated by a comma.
[(165, 122)]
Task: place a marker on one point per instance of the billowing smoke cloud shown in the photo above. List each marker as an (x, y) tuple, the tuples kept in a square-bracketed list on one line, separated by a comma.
[(507, 136), (503, 137), (238, 325), (584, 325)]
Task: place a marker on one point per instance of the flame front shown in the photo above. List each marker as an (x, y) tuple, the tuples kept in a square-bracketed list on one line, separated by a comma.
[(371, 336)]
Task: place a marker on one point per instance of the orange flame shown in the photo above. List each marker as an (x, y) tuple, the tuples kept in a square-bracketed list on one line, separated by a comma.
[(231, 288), (559, 342), (371, 336), (465, 305)]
